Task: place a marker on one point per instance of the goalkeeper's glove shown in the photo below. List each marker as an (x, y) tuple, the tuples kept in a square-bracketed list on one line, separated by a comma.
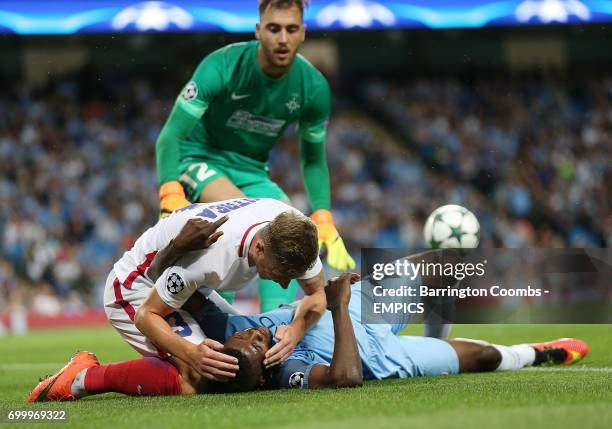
[(337, 255), (171, 197)]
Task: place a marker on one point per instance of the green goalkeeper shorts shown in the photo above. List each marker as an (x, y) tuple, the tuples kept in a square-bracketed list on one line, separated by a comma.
[(197, 173)]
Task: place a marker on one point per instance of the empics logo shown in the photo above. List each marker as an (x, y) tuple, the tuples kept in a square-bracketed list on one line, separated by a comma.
[(175, 283), (153, 15)]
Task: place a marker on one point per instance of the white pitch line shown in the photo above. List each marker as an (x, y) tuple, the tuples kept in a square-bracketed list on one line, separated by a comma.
[(567, 369), (28, 366)]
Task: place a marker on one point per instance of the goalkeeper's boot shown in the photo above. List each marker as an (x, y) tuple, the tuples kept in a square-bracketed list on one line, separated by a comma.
[(57, 387), (565, 351)]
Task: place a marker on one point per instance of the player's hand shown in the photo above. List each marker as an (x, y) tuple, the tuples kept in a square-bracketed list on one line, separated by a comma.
[(207, 360), (171, 197), (287, 340), (337, 255), (198, 234), (338, 290)]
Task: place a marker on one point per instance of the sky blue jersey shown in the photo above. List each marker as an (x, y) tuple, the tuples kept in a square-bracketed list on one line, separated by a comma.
[(383, 353)]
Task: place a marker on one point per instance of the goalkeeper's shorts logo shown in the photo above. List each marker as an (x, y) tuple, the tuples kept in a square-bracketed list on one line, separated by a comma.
[(175, 283), (190, 92)]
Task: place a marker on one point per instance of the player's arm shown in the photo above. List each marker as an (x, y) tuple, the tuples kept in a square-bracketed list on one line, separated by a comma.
[(171, 290), (312, 133), (313, 305), (345, 369), (196, 234), (188, 109), (205, 357), (307, 314)]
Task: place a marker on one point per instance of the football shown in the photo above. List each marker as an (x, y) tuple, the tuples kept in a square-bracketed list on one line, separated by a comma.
[(452, 226)]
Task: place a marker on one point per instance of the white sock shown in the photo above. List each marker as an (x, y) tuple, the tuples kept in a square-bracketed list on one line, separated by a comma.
[(77, 388), (515, 357)]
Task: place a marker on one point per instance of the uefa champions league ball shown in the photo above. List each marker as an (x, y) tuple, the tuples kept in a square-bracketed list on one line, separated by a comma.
[(452, 226)]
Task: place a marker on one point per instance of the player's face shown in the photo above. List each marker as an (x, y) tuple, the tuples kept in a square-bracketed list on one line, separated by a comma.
[(256, 340), (281, 32), (268, 269), (254, 343)]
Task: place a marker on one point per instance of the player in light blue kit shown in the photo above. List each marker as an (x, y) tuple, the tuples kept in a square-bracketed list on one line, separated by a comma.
[(341, 351), (383, 353)]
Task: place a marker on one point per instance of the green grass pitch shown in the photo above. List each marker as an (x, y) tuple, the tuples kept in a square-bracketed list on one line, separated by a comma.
[(570, 397)]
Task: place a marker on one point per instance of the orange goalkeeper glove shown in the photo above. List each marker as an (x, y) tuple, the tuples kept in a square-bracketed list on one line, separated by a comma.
[(337, 255), (171, 197)]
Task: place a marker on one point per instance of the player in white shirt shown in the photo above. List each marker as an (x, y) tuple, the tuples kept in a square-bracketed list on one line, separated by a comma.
[(262, 237)]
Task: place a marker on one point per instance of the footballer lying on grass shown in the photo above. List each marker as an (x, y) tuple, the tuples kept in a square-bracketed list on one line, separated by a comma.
[(339, 351)]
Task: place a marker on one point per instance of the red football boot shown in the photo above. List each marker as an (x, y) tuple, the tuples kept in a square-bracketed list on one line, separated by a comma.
[(565, 351), (57, 387)]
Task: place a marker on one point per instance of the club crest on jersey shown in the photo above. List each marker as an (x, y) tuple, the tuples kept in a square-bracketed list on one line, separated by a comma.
[(296, 380), (293, 105), (190, 92), (175, 283)]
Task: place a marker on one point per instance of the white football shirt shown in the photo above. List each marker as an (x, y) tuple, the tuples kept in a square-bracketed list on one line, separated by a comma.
[(223, 266)]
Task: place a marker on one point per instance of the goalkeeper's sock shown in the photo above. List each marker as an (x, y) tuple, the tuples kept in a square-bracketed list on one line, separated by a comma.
[(515, 357), (149, 376), (272, 295)]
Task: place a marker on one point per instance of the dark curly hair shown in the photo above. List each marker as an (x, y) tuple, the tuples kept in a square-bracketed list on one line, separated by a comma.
[(246, 379)]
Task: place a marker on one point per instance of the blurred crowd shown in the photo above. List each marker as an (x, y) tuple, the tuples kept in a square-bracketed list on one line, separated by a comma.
[(531, 158), (537, 151)]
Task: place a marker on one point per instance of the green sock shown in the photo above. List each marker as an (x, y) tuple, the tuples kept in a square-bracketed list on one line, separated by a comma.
[(228, 295), (272, 294)]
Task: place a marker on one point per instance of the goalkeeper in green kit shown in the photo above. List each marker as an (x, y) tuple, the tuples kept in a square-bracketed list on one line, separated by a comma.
[(241, 98)]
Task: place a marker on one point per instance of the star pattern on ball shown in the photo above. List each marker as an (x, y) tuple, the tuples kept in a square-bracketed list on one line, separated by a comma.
[(452, 226)]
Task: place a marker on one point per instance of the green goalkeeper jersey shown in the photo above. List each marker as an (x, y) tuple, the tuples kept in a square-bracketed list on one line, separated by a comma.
[(231, 113)]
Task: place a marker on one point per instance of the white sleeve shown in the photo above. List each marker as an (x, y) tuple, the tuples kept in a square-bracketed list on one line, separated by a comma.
[(219, 301), (177, 284), (314, 271), (190, 272)]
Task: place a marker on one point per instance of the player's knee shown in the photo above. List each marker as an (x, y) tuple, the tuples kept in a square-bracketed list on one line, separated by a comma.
[(487, 358)]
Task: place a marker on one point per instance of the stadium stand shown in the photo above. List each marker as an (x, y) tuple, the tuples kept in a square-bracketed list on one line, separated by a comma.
[(530, 157)]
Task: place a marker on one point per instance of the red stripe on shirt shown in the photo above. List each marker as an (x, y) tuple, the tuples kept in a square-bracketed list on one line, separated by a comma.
[(127, 307), (139, 271), (244, 237)]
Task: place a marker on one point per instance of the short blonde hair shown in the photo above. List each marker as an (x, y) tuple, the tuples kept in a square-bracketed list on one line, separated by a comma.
[(293, 243)]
